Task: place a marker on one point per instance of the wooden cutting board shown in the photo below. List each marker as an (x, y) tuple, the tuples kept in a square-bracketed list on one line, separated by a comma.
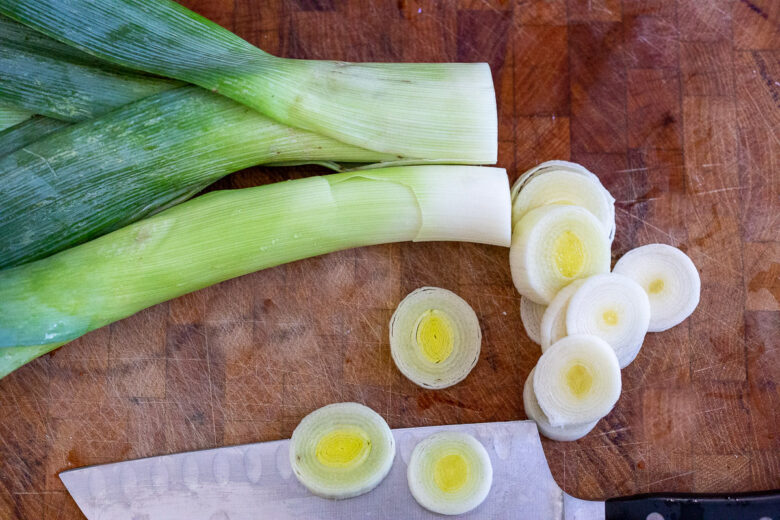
[(675, 105)]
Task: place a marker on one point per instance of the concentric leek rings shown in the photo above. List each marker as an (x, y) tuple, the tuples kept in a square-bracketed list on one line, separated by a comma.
[(342, 450), (450, 473), (435, 337), (570, 432), (553, 324), (577, 380), (669, 278), (531, 315), (562, 182), (554, 245), (614, 308)]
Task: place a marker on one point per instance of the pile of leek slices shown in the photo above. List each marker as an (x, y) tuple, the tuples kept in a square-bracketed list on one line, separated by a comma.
[(343, 450), (589, 322)]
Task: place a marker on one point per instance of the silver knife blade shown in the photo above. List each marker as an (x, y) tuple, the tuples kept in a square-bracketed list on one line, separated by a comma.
[(255, 481)]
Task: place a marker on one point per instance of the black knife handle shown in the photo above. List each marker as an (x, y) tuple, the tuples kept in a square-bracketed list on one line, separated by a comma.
[(681, 506)]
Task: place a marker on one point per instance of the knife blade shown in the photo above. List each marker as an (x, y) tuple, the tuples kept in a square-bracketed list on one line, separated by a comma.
[(255, 481)]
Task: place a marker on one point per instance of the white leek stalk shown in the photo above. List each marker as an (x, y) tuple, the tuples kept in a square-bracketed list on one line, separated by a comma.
[(450, 473), (570, 432), (554, 245), (577, 380), (562, 182), (435, 337), (342, 450), (531, 315), (553, 324), (669, 278), (614, 308)]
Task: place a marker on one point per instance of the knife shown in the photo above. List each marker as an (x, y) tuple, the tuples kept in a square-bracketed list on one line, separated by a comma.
[(255, 482)]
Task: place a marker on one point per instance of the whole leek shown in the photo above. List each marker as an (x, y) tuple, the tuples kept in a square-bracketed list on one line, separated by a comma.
[(225, 234), (427, 111)]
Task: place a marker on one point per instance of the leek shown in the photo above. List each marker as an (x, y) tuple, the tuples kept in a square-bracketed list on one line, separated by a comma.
[(69, 91), (101, 174), (435, 337), (449, 473), (47, 77), (11, 115), (225, 234), (342, 450), (570, 432), (614, 308), (15, 36), (669, 278), (26, 132), (427, 111), (577, 381)]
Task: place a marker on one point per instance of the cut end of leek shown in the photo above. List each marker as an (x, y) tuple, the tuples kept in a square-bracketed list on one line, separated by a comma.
[(614, 308), (531, 315), (577, 380), (435, 337), (342, 450), (553, 246), (475, 205), (670, 280), (567, 183), (570, 432), (553, 324), (450, 473)]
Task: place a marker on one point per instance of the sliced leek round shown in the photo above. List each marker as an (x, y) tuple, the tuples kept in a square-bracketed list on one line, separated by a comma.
[(577, 380), (669, 278), (553, 325), (614, 308), (570, 432), (449, 473), (554, 245), (435, 337), (562, 182), (342, 450), (531, 316)]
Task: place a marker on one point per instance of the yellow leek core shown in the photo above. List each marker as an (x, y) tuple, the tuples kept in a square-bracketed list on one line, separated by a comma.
[(656, 286), (579, 379), (343, 447), (610, 317), (435, 336), (569, 254), (450, 472)]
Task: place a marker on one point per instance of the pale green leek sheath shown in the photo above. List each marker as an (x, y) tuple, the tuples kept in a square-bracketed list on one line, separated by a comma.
[(441, 111), (226, 234)]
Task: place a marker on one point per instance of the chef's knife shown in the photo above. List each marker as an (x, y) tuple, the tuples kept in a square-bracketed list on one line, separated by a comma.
[(255, 482)]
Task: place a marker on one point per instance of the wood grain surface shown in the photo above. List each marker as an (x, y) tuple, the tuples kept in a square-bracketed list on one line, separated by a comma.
[(676, 106)]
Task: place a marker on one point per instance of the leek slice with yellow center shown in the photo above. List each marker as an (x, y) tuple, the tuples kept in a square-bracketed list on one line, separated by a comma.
[(450, 473), (669, 278), (563, 182), (435, 337), (614, 308), (342, 450), (570, 432), (554, 245), (577, 381)]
